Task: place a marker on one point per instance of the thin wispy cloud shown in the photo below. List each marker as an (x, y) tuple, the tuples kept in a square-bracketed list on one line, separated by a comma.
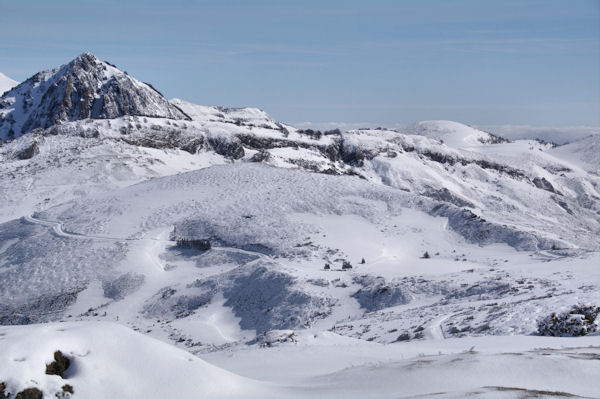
[(492, 45)]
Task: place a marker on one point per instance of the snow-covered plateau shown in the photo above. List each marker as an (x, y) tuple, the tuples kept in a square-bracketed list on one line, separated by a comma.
[(168, 249)]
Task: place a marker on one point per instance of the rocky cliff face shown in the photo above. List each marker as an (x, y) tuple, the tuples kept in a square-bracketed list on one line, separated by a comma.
[(84, 88)]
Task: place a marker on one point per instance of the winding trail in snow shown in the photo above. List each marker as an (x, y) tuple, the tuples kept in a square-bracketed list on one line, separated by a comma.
[(154, 249), (435, 330), (58, 230)]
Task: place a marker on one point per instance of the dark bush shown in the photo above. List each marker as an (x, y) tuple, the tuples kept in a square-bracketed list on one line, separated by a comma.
[(426, 255), (3, 393), (346, 265), (68, 388), (30, 393), (60, 364), (579, 321), (327, 267)]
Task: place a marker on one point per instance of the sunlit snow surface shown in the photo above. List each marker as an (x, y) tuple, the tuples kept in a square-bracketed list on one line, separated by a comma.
[(88, 238), (109, 360)]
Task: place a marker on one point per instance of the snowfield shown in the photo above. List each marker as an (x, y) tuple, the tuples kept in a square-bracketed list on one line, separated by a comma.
[(137, 366), (109, 360), (176, 250)]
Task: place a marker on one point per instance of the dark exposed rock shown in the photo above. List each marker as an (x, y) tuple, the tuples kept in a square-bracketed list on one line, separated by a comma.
[(314, 134), (563, 205), (352, 155), (438, 157), (544, 184), (260, 156), (333, 152), (165, 137), (59, 366), (193, 145), (264, 143), (377, 294), (484, 164), (447, 196), (355, 155), (84, 88), (515, 173), (228, 147), (29, 152)]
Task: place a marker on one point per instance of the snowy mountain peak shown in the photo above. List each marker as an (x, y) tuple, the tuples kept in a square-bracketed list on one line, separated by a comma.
[(454, 134), (84, 88), (6, 83)]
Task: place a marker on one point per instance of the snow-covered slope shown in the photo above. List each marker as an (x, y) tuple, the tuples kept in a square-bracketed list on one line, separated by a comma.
[(6, 83), (84, 88), (510, 185), (584, 153), (317, 240), (453, 134), (272, 231), (111, 361), (252, 117), (61, 168), (549, 134)]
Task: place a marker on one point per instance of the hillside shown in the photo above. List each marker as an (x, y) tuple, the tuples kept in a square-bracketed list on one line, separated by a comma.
[(346, 262), (453, 134), (584, 153)]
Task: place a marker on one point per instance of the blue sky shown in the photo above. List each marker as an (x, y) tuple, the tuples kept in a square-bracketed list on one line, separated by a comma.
[(377, 62)]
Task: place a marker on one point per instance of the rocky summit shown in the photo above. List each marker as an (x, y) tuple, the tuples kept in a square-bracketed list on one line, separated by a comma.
[(84, 88)]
